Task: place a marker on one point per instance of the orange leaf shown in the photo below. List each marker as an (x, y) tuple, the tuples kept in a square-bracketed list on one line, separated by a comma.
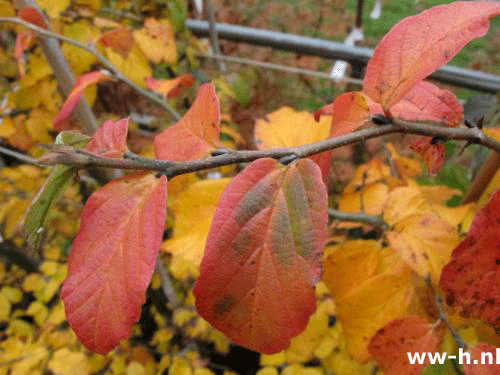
[(419, 45), (477, 366), (157, 40), (269, 231), (350, 111), (196, 133), (170, 88), (391, 344), (433, 154), (119, 40), (32, 15), (470, 279), (110, 140), (427, 102), (23, 41), (75, 95), (113, 258)]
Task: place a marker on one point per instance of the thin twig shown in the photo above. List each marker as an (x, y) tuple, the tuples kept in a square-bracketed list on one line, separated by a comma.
[(358, 217), (19, 156), (166, 284), (438, 301), (108, 64), (171, 169), (278, 67)]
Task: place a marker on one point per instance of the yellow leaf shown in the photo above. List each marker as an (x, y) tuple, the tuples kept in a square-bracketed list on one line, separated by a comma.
[(267, 371), (193, 210), (65, 362), (54, 7), (84, 32), (357, 257), (371, 199), (13, 295), (6, 9), (374, 301), (425, 242), (5, 307), (438, 193), (203, 371), (406, 167), (6, 127), (373, 171), (180, 367), (156, 39), (39, 312), (296, 369), (38, 125), (38, 68), (456, 216), (31, 361), (135, 368), (135, 66), (287, 127), (92, 4), (277, 359), (403, 202)]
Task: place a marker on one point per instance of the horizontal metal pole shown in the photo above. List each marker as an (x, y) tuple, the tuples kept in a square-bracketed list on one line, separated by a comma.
[(467, 78)]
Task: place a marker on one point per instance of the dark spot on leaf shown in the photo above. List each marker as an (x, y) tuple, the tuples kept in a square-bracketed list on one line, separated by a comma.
[(224, 305)]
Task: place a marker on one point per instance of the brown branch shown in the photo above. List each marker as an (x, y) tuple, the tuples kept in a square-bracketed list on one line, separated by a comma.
[(157, 99), (171, 169)]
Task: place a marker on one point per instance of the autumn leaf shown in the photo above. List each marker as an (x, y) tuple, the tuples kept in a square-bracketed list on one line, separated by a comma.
[(32, 15), (433, 154), (156, 40), (269, 231), (427, 102), (392, 343), (480, 366), (110, 140), (107, 280), (75, 95), (470, 280), (23, 41), (419, 45), (193, 209), (405, 166), (425, 241), (196, 134), (350, 110), (287, 127), (170, 88), (120, 40), (383, 293)]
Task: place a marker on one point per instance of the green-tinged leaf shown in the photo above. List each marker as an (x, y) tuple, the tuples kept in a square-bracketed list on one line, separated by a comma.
[(263, 254)]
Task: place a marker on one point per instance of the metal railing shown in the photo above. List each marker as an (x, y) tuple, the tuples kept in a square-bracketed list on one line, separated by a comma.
[(467, 78)]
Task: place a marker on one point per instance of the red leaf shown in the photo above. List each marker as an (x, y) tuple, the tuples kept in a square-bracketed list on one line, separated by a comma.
[(75, 95), (113, 258), (119, 40), (391, 344), (263, 254), (23, 41), (170, 88), (196, 134), (482, 367), (350, 110), (32, 15), (419, 45), (470, 280), (433, 154), (110, 140), (427, 102)]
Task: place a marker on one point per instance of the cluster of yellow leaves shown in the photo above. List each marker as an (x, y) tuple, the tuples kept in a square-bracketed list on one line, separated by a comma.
[(374, 282)]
